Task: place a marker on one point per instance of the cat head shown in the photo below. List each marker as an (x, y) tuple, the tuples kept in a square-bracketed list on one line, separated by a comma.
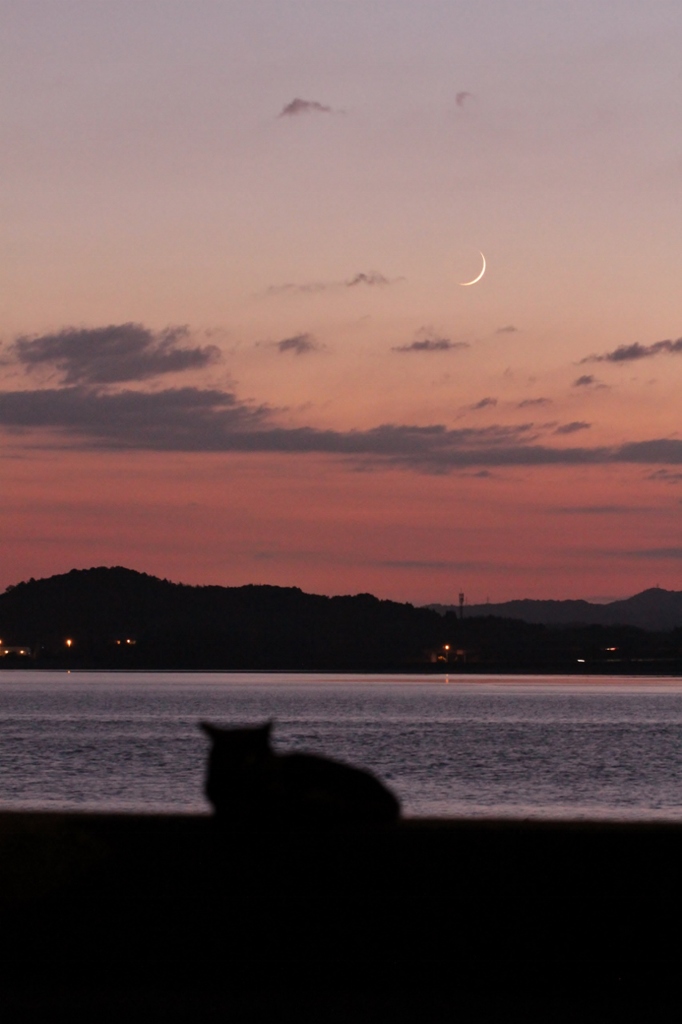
[(240, 748)]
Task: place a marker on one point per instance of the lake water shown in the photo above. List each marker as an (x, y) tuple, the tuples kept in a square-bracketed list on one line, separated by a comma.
[(458, 745)]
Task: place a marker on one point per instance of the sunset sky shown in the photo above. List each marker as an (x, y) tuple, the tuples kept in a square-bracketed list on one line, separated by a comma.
[(234, 344)]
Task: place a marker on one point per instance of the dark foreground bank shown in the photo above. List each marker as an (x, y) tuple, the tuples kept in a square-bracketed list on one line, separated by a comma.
[(124, 917)]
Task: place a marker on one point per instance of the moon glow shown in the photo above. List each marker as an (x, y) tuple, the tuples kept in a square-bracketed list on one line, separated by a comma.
[(465, 284)]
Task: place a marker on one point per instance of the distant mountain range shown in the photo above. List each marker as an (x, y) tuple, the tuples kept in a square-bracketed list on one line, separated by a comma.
[(654, 609)]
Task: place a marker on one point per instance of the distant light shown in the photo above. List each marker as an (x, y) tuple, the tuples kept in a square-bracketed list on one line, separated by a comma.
[(446, 647), (611, 648), (69, 643), (581, 661)]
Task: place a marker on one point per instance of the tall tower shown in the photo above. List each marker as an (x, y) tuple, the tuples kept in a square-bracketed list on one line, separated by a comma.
[(461, 605)]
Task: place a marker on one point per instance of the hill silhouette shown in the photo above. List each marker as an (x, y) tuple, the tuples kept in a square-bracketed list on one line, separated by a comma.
[(161, 623), (117, 618), (654, 609)]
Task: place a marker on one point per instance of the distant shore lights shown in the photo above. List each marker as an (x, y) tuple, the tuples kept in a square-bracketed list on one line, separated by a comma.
[(11, 649)]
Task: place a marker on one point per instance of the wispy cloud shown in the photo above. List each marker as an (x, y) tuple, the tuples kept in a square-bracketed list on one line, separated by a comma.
[(371, 278), (431, 345), (528, 402), (299, 344), (192, 419), (666, 476), (85, 412), (654, 553), (484, 403), (462, 97), (427, 340), (368, 278), (508, 329), (175, 419), (299, 106), (572, 428), (588, 380), (631, 353), (112, 354)]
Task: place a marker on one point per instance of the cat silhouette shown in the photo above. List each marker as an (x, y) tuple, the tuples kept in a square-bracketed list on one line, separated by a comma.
[(249, 782)]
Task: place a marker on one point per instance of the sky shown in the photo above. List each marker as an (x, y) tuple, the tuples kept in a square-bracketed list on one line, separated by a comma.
[(237, 344)]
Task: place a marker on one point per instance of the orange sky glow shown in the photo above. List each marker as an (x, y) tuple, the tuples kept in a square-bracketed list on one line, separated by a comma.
[(233, 345)]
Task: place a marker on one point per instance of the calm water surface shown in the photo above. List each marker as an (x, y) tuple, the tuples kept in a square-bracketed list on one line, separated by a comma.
[(533, 746)]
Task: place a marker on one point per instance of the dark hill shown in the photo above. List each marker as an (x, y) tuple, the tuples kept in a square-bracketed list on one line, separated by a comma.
[(653, 609), (176, 625), (116, 618)]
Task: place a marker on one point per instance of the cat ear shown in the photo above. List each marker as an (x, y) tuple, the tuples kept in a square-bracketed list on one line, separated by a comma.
[(211, 730)]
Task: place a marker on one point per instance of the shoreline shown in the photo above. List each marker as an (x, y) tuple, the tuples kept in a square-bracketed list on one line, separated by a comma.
[(586, 671)]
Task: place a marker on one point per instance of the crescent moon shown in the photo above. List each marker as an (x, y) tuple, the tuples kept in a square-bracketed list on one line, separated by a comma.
[(465, 284)]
